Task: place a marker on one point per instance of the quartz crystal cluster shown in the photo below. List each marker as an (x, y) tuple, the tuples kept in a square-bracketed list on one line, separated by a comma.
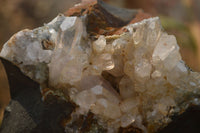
[(135, 78)]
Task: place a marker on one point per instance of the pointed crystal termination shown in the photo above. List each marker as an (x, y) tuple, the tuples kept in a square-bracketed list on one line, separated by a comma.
[(126, 74)]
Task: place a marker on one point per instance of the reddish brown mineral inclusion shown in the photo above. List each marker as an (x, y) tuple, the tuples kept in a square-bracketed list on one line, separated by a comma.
[(101, 21)]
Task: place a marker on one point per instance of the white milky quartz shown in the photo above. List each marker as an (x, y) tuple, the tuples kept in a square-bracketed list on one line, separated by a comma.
[(166, 45), (129, 79), (99, 44), (97, 90)]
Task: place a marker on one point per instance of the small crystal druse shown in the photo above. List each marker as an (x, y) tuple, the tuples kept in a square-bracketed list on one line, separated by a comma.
[(131, 76)]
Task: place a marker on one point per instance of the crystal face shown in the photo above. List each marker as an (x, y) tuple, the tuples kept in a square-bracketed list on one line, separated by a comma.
[(136, 78)]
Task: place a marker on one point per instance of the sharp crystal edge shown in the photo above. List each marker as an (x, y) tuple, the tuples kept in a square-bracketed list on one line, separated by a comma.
[(133, 79)]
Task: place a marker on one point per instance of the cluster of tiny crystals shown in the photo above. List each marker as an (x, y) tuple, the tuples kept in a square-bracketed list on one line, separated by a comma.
[(136, 78)]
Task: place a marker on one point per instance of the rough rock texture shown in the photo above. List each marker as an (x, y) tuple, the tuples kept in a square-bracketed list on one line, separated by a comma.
[(129, 77), (27, 112)]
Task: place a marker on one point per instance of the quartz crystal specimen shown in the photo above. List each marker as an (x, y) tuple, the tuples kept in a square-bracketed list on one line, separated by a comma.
[(127, 74)]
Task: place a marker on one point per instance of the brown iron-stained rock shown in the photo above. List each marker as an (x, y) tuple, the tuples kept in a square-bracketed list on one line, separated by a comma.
[(102, 19)]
